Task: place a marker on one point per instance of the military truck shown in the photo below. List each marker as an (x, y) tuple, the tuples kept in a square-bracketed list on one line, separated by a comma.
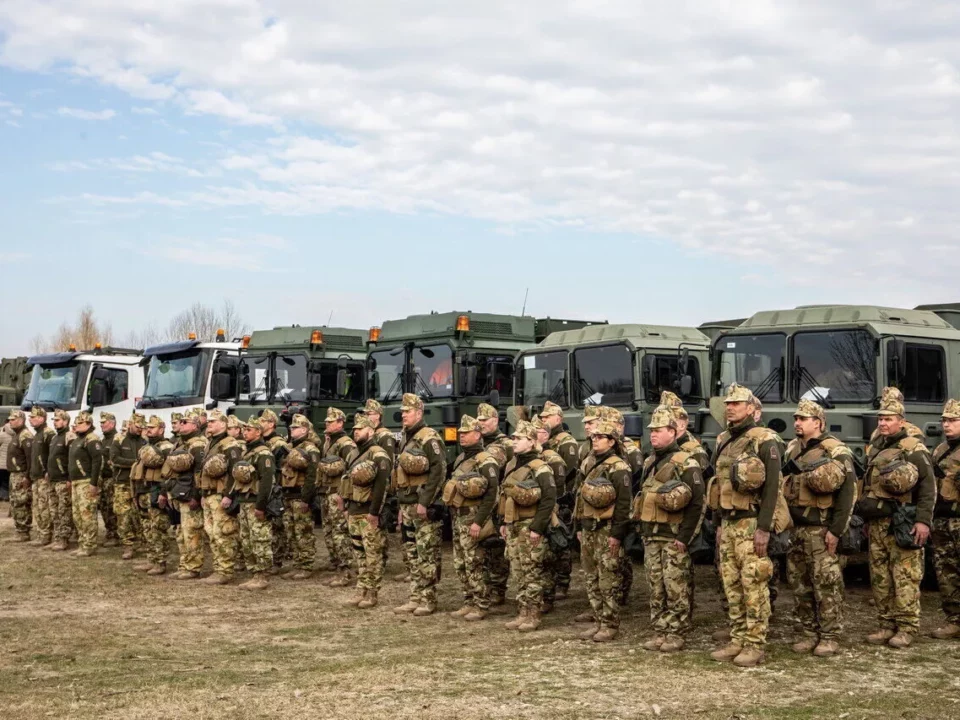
[(453, 360), (840, 356), (295, 369), (624, 366), (14, 379)]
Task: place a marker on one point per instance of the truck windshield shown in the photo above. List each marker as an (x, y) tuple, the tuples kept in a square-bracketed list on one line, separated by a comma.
[(174, 377), (386, 369), (324, 382), (662, 372), (56, 386), (837, 366), (545, 378), (432, 366), (290, 378), (755, 361), (603, 375)]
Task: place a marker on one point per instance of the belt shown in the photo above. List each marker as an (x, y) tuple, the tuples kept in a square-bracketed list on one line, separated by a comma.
[(461, 511), (591, 524)]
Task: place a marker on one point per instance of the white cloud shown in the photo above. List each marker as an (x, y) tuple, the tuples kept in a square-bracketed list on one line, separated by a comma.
[(144, 111), (81, 114), (261, 253)]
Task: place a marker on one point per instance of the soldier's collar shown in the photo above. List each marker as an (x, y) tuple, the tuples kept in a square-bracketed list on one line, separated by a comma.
[(218, 437), (415, 429), (671, 448), (336, 435), (472, 450), (256, 443), (741, 427)]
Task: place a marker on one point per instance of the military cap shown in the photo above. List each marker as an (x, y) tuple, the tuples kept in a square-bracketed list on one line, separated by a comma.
[(37, 411), (670, 399), (16, 414), (233, 422), (176, 417), (663, 417), (83, 417), (411, 402), (809, 409), (538, 424), (61, 415), (551, 408), (891, 393), (217, 416), (107, 417), (739, 393), (155, 421), (526, 430), (605, 427), (269, 416), (300, 420), (468, 424), (951, 411), (253, 423), (137, 419), (191, 416), (486, 411), (590, 413), (612, 415), (123, 426), (360, 420), (889, 402), (201, 414), (334, 414), (372, 406)]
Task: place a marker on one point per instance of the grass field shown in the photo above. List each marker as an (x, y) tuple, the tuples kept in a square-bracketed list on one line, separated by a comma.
[(93, 639)]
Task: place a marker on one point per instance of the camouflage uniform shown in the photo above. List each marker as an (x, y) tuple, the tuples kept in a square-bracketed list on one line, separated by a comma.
[(86, 461), (280, 448), (191, 534), (385, 439), (18, 462), (39, 457), (632, 454), (215, 481), (565, 446), (814, 573), (496, 564), (336, 530), (253, 492), (298, 480), (148, 479), (105, 501), (557, 566), (468, 553), (124, 451), (946, 526), (44, 498), (667, 532)]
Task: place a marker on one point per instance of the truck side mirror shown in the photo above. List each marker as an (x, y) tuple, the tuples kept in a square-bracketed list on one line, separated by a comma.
[(633, 426), (494, 398), (648, 368), (468, 379), (98, 394), (683, 361), (686, 385), (897, 350), (342, 383), (220, 386)]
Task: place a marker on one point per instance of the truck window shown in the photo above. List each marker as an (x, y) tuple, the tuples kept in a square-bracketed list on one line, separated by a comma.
[(544, 378), (229, 364), (666, 376), (925, 374), (175, 376), (290, 378), (116, 382), (434, 366), (495, 372), (603, 375), (386, 367), (59, 384), (327, 382), (842, 366), (754, 361)]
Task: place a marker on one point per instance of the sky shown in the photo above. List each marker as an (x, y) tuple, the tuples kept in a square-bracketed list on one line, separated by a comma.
[(667, 163)]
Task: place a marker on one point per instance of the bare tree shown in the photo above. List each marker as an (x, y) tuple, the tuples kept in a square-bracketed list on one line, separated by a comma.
[(84, 334), (205, 321)]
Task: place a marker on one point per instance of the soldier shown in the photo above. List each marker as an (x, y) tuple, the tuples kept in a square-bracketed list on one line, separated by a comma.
[(497, 567), (57, 474), (85, 463), (820, 487), (685, 441), (149, 487), (630, 451), (18, 462), (527, 501), (946, 521), (252, 479), (383, 437), (669, 508), (234, 427), (280, 448), (185, 462), (364, 488), (894, 394), (175, 419), (339, 451), (222, 529), (124, 451), (471, 495), (108, 433), (898, 482), (202, 421), (744, 493), (603, 511), (420, 474), (298, 480), (558, 566)]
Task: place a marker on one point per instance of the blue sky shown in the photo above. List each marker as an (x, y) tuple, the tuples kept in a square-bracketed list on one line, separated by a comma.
[(623, 161)]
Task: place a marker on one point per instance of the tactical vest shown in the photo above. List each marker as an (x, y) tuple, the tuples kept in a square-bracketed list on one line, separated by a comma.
[(611, 464), (251, 457), (721, 494), (464, 466), (331, 483), (296, 477), (403, 479), (632, 454), (871, 485), (17, 458), (194, 473), (949, 464), (217, 484), (384, 438), (154, 475), (507, 508), (557, 464), (795, 490), (645, 508), (274, 442), (353, 492)]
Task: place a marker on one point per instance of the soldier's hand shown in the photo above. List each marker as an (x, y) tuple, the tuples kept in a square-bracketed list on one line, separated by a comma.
[(503, 531), (93, 491), (831, 541), (25, 484), (534, 538), (259, 514), (194, 504), (69, 485), (475, 531), (224, 504), (339, 502), (579, 537), (421, 511), (304, 507), (399, 521), (761, 538), (920, 534), (679, 546), (613, 544), (373, 521)]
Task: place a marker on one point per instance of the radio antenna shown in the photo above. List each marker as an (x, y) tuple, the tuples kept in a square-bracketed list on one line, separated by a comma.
[(330, 318), (525, 294)]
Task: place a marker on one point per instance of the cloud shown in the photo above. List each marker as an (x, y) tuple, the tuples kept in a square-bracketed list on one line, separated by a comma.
[(144, 111), (154, 162), (259, 253), (80, 114)]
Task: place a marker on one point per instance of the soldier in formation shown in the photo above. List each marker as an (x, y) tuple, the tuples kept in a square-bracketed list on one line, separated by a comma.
[(108, 434), (298, 479), (124, 452)]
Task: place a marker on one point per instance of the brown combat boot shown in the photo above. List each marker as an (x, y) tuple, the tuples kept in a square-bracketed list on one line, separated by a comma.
[(946, 632), (804, 646), (127, 554), (826, 648), (547, 607), (157, 570), (21, 538), (654, 643), (425, 609), (673, 643), (727, 653), (519, 620), (721, 635), (369, 601), (40, 541), (300, 575), (750, 656), (606, 634), (462, 612), (497, 599), (560, 594), (356, 599), (111, 542), (58, 546), (81, 553), (589, 632), (901, 640), (475, 614), (142, 566), (215, 579), (257, 582), (532, 622), (586, 617), (407, 608), (402, 577), (187, 575), (881, 636)]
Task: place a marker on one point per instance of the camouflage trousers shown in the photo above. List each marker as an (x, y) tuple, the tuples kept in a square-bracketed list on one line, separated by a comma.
[(745, 577), (156, 531), (61, 511), (85, 515), (224, 533), (562, 570), (468, 560), (336, 534), (368, 542), (670, 575), (946, 558), (895, 575), (817, 582), (279, 540), (301, 545), (127, 515), (496, 569), (42, 506), (255, 539), (105, 506), (21, 502), (425, 562), (601, 574), (527, 564), (626, 579), (190, 538), (408, 541)]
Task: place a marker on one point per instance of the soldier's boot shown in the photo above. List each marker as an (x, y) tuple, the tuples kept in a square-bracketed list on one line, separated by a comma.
[(142, 566), (111, 542), (560, 594), (81, 553), (946, 632), (606, 634), (728, 652), (22, 537), (881, 636), (127, 554), (462, 612), (721, 635), (40, 541), (216, 579), (805, 646), (402, 577), (345, 579), (407, 608), (901, 640), (673, 643), (369, 600), (159, 569), (358, 598), (327, 567), (497, 599), (750, 656), (58, 546), (586, 617), (257, 582), (475, 614), (654, 643), (186, 575), (425, 609), (532, 622), (547, 607), (589, 632), (826, 648), (519, 620), (274, 570)]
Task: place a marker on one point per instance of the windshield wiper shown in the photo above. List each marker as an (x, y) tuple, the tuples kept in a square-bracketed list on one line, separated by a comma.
[(766, 385), (394, 386), (418, 382), (558, 394), (804, 374), (584, 385), (169, 398)]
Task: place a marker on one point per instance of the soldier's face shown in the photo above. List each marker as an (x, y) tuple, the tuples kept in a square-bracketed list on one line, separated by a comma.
[(889, 424), (374, 418), (108, 425), (298, 432), (175, 427), (16, 423), (37, 420), (589, 426), (682, 425), (522, 444), (410, 417), (362, 434), (806, 427), (662, 437), (215, 427), (737, 411), (187, 427), (601, 443), (60, 424), (251, 435), (489, 425), (951, 428), (233, 432), (83, 427), (334, 426), (134, 430), (469, 439), (542, 436), (152, 432), (551, 421)]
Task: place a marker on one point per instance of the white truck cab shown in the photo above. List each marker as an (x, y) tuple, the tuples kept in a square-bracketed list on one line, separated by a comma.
[(99, 380), (190, 374)]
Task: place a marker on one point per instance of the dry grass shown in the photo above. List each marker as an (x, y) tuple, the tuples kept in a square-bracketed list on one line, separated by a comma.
[(92, 639)]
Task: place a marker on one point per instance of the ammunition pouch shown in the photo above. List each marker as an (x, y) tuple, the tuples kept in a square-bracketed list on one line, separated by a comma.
[(901, 526)]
